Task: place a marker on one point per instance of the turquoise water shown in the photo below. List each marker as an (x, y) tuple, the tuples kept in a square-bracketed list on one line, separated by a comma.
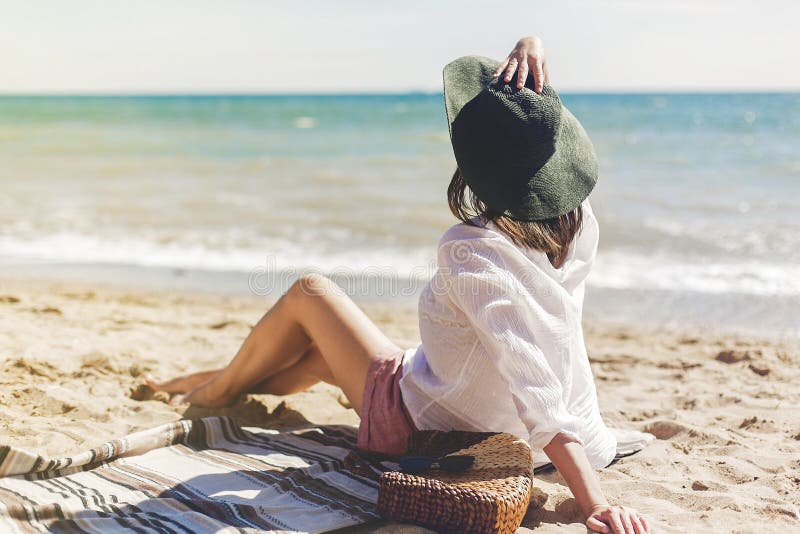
[(698, 196)]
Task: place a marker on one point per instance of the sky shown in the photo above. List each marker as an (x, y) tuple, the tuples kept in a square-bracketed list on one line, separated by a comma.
[(319, 46)]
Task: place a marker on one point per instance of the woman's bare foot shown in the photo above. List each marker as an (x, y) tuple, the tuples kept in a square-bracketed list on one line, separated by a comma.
[(209, 394), (182, 384)]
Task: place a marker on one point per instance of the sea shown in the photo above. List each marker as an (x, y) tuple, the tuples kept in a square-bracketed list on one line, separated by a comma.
[(698, 197)]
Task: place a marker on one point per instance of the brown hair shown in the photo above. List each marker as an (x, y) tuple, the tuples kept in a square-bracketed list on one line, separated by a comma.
[(551, 236)]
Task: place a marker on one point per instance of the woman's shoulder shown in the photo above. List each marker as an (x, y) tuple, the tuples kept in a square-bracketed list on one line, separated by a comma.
[(474, 246), (476, 229)]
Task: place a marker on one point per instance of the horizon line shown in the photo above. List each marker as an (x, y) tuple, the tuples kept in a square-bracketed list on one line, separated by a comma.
[(356, 93)]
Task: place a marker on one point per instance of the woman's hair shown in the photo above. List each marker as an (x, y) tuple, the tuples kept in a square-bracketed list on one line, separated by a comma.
[(551, 236)]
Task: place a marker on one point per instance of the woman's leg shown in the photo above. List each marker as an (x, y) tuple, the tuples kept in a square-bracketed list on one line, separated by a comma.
[(313, 310), (309, 370)]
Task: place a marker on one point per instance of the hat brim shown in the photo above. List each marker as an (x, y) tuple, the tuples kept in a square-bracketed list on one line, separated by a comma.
[(573, 165)]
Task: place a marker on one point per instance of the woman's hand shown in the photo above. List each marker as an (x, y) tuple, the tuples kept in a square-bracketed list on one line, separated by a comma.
[(617, 520), (570, 459), (527, 56)]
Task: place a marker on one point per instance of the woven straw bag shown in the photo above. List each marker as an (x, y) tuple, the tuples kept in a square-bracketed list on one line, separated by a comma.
[(491, 496)]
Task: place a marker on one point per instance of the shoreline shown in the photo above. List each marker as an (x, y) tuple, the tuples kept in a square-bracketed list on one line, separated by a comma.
[(720, 314)]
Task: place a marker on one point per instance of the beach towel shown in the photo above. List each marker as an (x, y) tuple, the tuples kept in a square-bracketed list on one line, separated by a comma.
[(203, 475)]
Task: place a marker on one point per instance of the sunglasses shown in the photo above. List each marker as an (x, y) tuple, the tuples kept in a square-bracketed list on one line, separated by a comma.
[(452, 464)]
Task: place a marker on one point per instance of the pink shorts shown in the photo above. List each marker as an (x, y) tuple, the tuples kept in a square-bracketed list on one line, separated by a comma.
[(385, 423)]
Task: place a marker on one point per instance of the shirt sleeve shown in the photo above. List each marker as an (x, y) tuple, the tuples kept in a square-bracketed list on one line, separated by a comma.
[(506, 318)]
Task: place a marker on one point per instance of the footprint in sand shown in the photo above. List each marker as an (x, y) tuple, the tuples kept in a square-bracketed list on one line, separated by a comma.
[(88, 295), (761, 425), (36, 368), (137, 301), (760, 370), (736, 356), (665, 429), (8, 299), (224, 324), (733, 356), (47, 309)]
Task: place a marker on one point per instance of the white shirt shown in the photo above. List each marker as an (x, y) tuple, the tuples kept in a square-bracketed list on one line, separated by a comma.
[(502, 344)]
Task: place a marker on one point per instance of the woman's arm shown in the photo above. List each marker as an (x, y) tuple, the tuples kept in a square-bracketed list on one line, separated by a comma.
[(570, 460)]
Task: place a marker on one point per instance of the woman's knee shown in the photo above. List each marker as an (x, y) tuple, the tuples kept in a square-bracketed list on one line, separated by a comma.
[(313, 286)]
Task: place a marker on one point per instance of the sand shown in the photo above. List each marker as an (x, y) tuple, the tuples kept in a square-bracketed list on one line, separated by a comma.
[(725, 408)]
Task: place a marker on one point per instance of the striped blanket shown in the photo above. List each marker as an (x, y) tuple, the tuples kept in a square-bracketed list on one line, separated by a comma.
[(206, 475)]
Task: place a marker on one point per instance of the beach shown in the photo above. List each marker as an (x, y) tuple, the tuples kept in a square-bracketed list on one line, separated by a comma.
[(167, 174), (724, 407), (146, 234)]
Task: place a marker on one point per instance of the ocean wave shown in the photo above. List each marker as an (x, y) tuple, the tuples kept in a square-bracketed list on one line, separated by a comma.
[(619, 270), (725, 237), (616, 269), (275, 256)]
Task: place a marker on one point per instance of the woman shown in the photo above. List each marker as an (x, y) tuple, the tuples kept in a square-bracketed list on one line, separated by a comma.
[(500, 322)]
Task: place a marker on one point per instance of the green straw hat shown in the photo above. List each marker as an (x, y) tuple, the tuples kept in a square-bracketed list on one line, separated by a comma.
[(522, 153)]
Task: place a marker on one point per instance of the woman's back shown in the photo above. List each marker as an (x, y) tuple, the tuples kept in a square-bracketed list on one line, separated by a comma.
[(502, 344)]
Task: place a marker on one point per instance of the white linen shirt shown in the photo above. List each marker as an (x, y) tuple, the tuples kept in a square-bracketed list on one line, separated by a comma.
[(502, 345)]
